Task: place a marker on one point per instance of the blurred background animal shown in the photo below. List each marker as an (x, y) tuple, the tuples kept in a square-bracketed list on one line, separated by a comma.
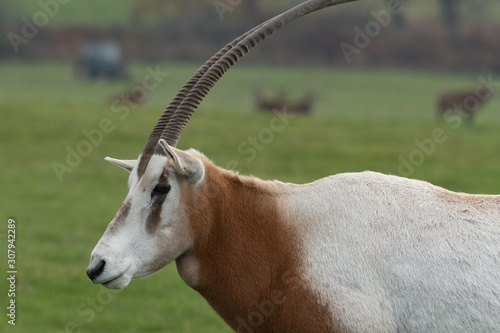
[(283, 103), (464, 103), (133, 96)]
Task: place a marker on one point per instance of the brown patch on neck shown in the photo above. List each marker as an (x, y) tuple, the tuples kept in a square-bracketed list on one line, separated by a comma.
[(249, 258)]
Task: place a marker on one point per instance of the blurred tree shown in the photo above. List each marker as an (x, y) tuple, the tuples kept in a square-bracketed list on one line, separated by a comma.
[(251, 8), (398, 19), (241, 10), (3, 29), (449, 12), (2, 16)]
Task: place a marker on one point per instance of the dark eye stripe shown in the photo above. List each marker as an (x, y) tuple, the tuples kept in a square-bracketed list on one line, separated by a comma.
[(154, 215), (159, 196)]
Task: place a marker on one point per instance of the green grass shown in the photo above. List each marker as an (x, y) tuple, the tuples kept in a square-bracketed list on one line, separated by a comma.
[(364, 120), (118, 13), (102, 13)]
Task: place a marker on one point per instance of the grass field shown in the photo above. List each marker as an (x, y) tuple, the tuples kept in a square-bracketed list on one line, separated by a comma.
[(364, 120), (113, 13)]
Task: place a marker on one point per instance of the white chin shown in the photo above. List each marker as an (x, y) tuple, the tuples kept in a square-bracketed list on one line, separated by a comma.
[(119, 283)]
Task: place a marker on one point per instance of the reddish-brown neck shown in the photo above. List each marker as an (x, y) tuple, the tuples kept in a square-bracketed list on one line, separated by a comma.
[(249, 257)]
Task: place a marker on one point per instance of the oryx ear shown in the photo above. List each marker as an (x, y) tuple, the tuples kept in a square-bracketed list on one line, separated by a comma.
[(184, 164), (124, 164)]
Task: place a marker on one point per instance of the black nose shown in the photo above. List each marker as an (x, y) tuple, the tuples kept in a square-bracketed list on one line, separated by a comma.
[(94, 271)]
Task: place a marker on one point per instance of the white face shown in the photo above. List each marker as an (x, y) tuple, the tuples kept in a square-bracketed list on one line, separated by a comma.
[(148, 231)]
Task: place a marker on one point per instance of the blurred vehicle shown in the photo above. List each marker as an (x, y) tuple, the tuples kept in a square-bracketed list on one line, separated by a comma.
[(101, 60)]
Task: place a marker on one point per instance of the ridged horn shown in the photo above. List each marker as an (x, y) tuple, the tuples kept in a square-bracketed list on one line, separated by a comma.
[(175, 117), (151, 146), (242, 46)]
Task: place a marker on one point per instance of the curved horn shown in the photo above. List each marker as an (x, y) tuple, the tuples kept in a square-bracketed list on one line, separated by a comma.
[(242, 46), (162, 123)]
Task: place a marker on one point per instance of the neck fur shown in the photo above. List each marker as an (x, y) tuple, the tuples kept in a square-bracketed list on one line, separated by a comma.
[(248, 258)]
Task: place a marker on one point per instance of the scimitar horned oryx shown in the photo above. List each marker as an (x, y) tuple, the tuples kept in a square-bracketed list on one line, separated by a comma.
[(353, 252)]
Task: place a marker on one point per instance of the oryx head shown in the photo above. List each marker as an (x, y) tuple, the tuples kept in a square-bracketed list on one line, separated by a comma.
[(151, 227)]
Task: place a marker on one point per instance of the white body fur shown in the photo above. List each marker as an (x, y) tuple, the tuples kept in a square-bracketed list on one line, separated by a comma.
[(390, 254)]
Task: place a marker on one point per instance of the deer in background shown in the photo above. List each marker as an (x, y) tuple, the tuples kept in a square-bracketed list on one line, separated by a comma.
[(465, 103), (134, 96), (264, 102), (353, 252), (282, 103)]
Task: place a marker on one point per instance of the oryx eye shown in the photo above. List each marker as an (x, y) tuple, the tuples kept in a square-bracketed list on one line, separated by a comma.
[(160, 189)]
